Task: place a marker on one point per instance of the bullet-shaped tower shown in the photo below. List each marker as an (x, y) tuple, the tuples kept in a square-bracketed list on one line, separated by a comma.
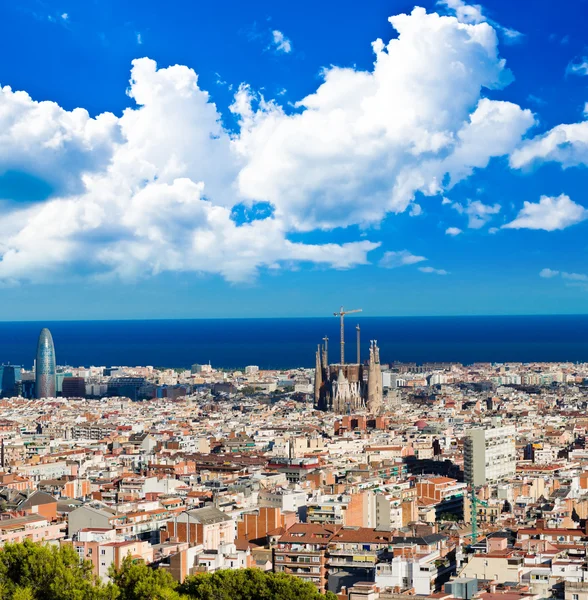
[(45, 382)]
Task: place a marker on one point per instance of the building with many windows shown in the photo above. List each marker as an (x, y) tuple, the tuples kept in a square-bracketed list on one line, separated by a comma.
[(45, 379), (10, 378), (489, 455)]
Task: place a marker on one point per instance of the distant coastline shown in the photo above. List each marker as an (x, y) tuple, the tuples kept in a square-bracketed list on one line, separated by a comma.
[(291, 342)]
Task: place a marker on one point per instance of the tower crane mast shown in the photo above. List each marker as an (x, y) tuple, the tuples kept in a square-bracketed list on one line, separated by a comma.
[(474, 503), (342, 314)]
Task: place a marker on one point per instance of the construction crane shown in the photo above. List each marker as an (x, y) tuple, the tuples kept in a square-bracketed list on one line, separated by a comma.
[(475, 502), (342, 314)]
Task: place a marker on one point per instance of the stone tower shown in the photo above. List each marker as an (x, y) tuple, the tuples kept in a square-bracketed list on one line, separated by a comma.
[(318, 377), (374, 393)]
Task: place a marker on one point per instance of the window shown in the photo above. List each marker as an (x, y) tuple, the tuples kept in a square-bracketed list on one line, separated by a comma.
[(103, 552), (316, 559), (575, 597)]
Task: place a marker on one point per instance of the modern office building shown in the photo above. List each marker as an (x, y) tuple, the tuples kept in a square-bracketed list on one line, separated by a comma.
[(127, 387), (60, 376), (489, 455), (45, 366), (74, 387), (10, 378)]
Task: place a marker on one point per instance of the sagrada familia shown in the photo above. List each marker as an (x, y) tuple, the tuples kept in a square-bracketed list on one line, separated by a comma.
[(348, 388)]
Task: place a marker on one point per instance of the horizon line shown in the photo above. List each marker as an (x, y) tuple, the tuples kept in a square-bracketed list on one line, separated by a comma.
[(232, 318)]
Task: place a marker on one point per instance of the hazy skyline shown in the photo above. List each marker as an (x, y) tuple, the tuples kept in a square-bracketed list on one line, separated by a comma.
[(279, 160)]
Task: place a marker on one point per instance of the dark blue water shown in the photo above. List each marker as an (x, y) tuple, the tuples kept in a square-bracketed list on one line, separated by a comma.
[(278, 343)]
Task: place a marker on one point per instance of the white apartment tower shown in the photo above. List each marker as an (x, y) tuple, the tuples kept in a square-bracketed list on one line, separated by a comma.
[(489, 455)]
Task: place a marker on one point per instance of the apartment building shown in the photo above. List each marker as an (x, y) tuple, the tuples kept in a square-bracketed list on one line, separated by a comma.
[(301, 551), (489, 455)]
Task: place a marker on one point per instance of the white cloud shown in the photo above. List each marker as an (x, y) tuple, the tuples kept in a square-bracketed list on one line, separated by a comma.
[(434, 271), (579, 67), (566, 144), (55, 145), (445, 201), (477, 212), (575, 276), (280, 42), (453, 231), (413, 123), (153, 189), (573, 279), (139, 38), (466, 13), (473, 13), (548, 273), (549, 214), (65, 16), (415, 210), (401, 258), (145, 193)]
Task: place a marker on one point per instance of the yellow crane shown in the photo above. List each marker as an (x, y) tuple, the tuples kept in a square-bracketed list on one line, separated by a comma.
[(342, 314)]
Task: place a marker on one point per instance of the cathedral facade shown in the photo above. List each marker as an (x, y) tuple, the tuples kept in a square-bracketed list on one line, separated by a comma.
[(348, 388)]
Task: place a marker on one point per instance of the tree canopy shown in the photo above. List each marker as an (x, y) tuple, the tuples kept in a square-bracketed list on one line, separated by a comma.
[(250, 584), (30, 571)]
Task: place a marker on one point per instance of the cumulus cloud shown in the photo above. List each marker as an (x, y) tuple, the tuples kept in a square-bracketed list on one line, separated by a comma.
[(280, 42), (453, 231), (477, 212), (366, 142), (400, 258), (153, 189), (141, 194), (549, 214), (566, 144), (548, 273), (434, 271), (58, 146)]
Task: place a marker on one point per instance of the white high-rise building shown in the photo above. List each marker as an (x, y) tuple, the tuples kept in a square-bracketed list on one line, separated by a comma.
[(489, 455)]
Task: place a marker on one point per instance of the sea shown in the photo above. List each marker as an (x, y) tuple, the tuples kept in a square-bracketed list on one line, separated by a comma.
[(292, 342)]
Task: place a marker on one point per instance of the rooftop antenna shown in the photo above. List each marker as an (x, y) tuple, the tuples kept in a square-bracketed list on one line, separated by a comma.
[(342, 314)]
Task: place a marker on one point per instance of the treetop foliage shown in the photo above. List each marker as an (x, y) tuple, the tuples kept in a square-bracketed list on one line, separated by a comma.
[(30, 571)]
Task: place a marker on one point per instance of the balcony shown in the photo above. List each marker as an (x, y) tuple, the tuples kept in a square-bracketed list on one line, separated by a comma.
[(295, 551), (302, 573), (340, 552), (360, 564)]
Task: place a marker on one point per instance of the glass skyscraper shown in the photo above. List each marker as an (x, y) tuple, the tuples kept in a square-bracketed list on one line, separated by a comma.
[(10, 379), (45, 366)]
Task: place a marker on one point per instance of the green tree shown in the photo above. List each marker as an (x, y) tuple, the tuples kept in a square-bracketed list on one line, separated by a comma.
[(250, 584), (23, 593), (30, 571), (137, 581)]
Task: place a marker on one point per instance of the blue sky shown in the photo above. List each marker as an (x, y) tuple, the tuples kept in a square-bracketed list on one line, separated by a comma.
[(259, 164)]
